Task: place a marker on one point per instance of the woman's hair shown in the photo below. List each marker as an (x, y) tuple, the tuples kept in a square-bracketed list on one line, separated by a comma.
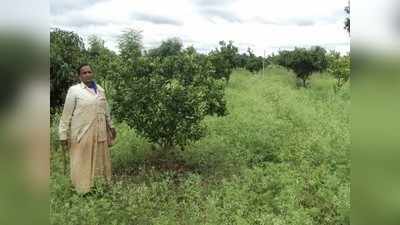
[(78, 70)]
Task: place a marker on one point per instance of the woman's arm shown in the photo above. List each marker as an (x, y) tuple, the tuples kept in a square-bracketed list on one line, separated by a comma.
[(64, 128), (108, 116), (109, 120)]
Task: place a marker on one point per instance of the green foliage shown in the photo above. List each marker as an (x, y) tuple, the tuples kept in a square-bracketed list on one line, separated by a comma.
[(339, 67), (304, 61), (254, 63), (241, 60), (170, 47), (165, 99), (318, 55), (67, 51), (223, 59), (249, 61), (104, 62), (54, 122), (130, 46)]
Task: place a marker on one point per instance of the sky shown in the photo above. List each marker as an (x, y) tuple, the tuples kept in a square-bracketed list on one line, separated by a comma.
[(263, 25)]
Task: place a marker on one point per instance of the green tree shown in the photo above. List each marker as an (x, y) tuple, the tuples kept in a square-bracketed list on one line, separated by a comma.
[(284, 58), (67, 51), (166, 99), (104, 62), (241, 60), (223, 59), (319, 58), (130, 48), (190, 51), (339, 67), (304, 61), (130, 45), (170, 47), (253, 63)]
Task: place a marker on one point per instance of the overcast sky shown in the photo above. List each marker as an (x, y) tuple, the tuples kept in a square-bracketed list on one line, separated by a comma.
[(268, 25)]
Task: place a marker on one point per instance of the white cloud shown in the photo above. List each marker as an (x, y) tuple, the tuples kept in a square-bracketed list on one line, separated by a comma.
[(259, 24)]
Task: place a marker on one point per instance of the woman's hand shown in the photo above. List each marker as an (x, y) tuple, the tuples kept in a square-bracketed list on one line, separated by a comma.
[(114, 132)]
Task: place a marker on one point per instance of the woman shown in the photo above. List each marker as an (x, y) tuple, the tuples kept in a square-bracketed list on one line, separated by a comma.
[(85, 128)]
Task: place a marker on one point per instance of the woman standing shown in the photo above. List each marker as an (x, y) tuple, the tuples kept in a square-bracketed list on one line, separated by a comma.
[(85, 129)]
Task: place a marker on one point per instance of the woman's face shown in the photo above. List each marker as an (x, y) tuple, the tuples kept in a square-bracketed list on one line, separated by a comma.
[(86, 74)]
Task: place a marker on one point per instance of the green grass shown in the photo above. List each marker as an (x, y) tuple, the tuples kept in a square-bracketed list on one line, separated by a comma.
[(281, 156)]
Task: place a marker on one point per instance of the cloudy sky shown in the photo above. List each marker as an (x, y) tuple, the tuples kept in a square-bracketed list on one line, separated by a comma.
[(268, 25)]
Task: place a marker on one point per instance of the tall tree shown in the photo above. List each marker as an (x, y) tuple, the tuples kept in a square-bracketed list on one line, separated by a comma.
[(169, 47), (130, 53), (67, 51), (130, 45), (223, 59), (319, 58), (103, 61), (339, 67), (304, 61)]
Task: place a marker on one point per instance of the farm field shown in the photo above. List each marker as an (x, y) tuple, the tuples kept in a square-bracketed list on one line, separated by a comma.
[(280, 156)]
